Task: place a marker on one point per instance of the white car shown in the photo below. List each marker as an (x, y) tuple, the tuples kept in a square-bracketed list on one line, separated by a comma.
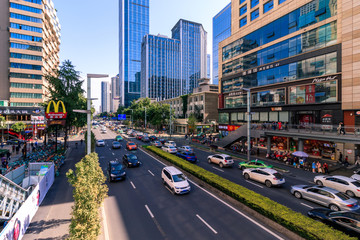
[(100, 143), (185, 149), (356, 175), (343, 184), (175, 180), (264, 175), (168, 143), (169, 149), (222, 159)]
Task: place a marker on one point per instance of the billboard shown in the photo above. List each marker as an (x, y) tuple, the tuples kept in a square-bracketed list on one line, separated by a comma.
[(122, 117)]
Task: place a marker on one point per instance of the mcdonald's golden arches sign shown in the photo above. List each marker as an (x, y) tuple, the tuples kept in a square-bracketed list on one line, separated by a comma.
[(55, 114)]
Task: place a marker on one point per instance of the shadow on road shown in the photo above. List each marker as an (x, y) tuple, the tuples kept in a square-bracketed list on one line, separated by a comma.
[(40, 226)]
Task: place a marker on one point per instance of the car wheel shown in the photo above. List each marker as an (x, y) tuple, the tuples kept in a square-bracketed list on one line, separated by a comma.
[(163, 181), (242, 168), (268, 183), (334, 207), (318, 182), (173, 191), (221, 165), (297, 194), (350, 193), (209, 160), (246, 176)]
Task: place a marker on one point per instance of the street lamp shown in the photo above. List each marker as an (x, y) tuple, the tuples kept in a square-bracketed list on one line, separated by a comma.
[(145, 118), (89, 76), (248, 123), (131, 117)]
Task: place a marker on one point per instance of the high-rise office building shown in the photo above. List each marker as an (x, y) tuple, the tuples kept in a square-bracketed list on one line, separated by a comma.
[(160, 70), (105, 96), (193, 43), (115, 93), (221, 31), (29, 48), (134, 25), (301, 61)]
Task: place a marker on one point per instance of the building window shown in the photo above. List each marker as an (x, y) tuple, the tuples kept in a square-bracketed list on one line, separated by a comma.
[(314, 93), (25, 66), (254, 14), (25, 95), (24, 75), (25, 18), (34, 1), (25, 8), (223, 118), (243, 10), (254, 3), (202, 98), (25, 27), (243, 22), (241, 1), (25, 56), (268, 6), (268, 98), (25, 37), (281, 1), (25, 47), (26, 85)]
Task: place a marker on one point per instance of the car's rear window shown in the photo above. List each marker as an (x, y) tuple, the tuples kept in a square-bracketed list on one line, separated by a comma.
[(278, 175), (342, 196), (191, 154), (356, 183), (131, 143), (228, 158)]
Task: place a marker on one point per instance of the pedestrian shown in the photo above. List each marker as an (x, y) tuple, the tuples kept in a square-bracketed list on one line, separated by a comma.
[(318, 166), (280, 125), (313, 166), (13, 148), (36, 144), (346, 162), (326, 168), (81, 141), (340, 158), (8, 155), (342, 128)]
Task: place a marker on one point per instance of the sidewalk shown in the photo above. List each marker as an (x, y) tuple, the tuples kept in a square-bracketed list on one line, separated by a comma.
[(53, 218)]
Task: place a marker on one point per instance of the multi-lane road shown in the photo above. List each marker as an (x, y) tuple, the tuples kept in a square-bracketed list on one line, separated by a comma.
[(141, 207)]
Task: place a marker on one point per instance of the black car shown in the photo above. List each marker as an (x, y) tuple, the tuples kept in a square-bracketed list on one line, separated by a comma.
[(153, 138), (348, 222), (145, 139), (116, 171), (131, 160)]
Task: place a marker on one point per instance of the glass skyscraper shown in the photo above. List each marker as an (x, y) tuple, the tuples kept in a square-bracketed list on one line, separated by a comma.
[(193, 41), (134, 25), (160, 70), (221, 31)]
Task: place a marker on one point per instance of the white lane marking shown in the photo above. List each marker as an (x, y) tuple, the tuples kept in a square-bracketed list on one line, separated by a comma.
[(110, 149), (306, 205), (226, 204), (113, 153), (151, 173), (218, 169), (106, 230), (254, 184), (102, 157), (148, 209), (116, 159), (208, 225), (132, 184)]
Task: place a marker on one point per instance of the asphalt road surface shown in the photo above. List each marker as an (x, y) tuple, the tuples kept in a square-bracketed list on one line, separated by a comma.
[(141, 207)]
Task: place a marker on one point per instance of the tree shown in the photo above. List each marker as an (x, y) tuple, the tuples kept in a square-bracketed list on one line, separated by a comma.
[(120, 110), (89, 192), (197, 113), (66, 86), (18, 127), (2, 126), (192, 123)]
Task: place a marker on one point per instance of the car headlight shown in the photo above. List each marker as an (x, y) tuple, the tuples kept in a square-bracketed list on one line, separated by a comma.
[(112, 175), (123, 173)]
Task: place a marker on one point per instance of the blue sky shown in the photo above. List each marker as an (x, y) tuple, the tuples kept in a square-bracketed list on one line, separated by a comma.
[(89, 30)]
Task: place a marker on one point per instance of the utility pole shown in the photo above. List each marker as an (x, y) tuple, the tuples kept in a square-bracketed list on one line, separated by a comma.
[(248, 123), (170, 120), (145, 118)]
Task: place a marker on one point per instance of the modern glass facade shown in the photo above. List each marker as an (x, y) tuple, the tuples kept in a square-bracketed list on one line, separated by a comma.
[(160, 71), (221, 31), (134, 25), (302, 69), (193, 41), (105, 96)]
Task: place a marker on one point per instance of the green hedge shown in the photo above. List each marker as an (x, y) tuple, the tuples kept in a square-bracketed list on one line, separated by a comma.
[(294, 221)]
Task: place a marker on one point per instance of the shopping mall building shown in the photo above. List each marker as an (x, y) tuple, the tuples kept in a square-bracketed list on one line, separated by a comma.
[(301, 61)]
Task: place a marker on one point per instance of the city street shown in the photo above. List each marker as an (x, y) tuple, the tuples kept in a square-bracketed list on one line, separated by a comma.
[(142, 208)]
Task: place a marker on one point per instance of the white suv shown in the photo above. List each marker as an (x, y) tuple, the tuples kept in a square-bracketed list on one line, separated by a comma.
[(172, 143), (175, 180), (264, 175), (222, 159), (100, 143)]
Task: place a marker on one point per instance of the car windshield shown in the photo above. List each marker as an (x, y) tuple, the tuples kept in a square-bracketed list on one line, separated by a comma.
[(101, 141), (157, 142), (228, 158), (172, 147), (131, 143), (179, 178), (117, 167), (357, 184), (342, 196)]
